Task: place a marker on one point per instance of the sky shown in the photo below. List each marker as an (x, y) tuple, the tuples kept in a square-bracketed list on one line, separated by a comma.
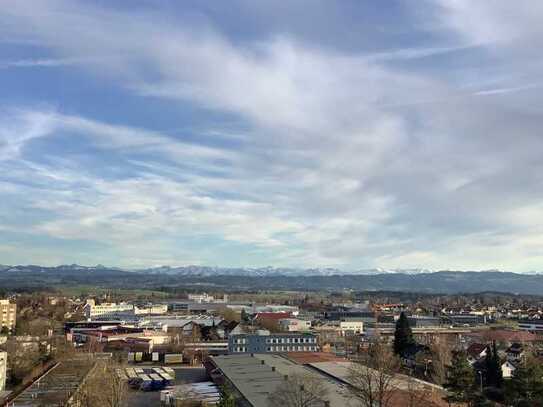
[(308, 133)]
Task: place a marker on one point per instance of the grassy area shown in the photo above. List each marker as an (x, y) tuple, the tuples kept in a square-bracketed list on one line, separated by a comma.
[(507, 323), (90, 290)]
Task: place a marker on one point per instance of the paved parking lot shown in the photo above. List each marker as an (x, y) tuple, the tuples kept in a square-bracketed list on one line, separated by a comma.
[(183, 374)]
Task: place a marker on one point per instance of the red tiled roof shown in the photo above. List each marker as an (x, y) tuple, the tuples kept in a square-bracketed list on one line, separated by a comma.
[(475, 349), (273, 315), (503, 335)]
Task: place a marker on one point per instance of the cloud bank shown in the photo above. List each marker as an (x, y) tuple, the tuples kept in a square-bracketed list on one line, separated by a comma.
[(421, 156)]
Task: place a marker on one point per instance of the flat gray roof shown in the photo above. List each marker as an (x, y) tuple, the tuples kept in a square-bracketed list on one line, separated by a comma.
[(253, 380), (337, 392)]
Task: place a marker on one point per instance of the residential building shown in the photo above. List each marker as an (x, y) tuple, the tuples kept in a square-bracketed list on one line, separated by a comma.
[(503, 336), (507, 369), (515, 352), (3, 370), (476, 351), (8, 315), (266, 342)]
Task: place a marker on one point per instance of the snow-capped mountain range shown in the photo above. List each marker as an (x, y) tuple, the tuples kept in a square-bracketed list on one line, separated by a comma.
[(234, 271)]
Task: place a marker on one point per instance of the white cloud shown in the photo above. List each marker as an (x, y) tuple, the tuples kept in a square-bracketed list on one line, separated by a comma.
[(38, 63), (341, 165), (502, 22)]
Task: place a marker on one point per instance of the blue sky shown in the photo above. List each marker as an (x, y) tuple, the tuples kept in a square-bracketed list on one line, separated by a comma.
[(350, 134)]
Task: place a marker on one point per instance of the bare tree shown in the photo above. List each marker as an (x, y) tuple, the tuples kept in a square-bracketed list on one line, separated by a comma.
[(441, 358), (416, 394), (372, 378), (270, 324), (299, 391), (103, 387)]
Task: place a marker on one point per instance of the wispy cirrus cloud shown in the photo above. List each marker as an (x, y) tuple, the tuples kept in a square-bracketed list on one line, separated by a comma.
[(39, 63), (338, 164)]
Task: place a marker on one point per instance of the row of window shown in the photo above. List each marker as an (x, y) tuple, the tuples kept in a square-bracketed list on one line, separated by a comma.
[(291, 340), (291, 348), (241, 341), (298, 348)]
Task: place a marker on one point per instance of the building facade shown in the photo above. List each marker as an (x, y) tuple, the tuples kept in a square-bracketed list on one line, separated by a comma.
[(3, 370), (109, 311), (423, 321), (204, 297), (265, 342), (531, 325), (294, 325), (8, 315), (154, 309), (351, 327)]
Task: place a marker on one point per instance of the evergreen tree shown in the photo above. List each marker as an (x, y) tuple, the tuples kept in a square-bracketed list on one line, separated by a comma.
[(244, 316), (227, 398), (403, 336), (494, 374), (460, 379), (527, 383)]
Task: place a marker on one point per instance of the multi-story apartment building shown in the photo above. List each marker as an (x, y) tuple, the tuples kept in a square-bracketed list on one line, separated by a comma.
[(8, 315), (266, 342), (3, 370), (109, 311)]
